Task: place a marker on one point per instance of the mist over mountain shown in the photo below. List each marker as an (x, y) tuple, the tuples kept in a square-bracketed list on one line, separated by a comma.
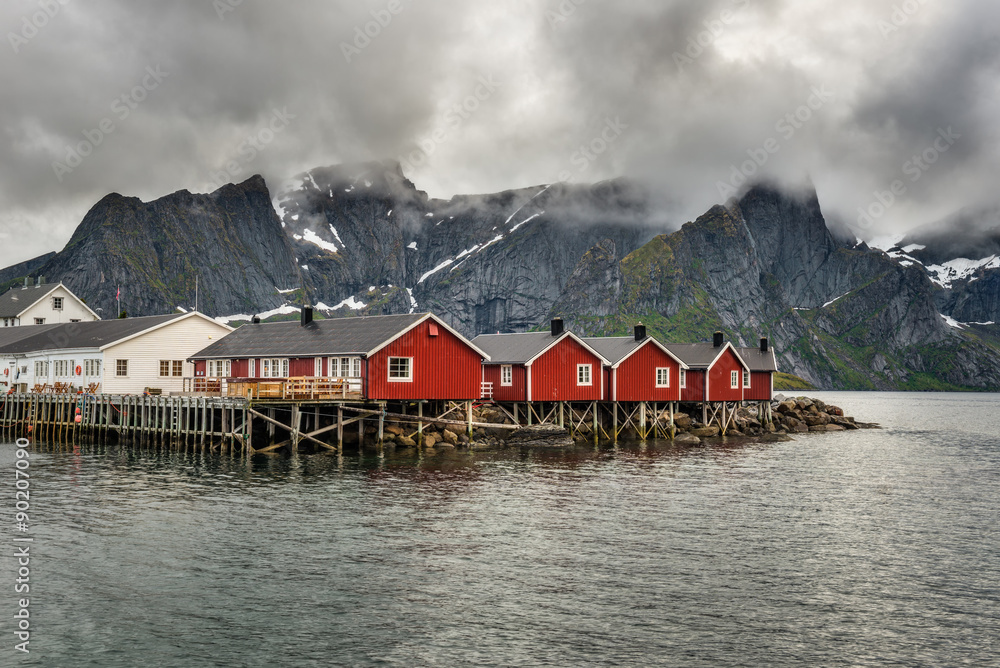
[(362, 239)]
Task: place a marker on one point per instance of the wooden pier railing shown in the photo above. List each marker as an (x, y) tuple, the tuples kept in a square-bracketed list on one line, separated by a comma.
[(303, 388)]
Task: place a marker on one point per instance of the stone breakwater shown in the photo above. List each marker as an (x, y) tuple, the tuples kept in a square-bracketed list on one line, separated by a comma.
[(788, 416)]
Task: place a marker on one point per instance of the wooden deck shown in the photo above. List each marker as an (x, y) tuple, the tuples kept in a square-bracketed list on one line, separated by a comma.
[(304, 388)]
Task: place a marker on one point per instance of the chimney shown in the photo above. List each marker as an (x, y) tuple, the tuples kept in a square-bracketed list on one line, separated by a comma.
[(557, 326), (763, 344), (38, 281), (255, 320), (640, 332), (717, 340), (307, 315), (26, 279)]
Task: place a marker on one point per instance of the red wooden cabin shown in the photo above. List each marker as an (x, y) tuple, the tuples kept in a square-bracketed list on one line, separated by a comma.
[(763, 366), (641, 369), (716, 371), (542, 366), (399, 357)]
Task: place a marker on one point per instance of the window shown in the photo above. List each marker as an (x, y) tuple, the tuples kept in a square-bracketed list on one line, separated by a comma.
[(216, 368), (179, 367), (318, 367), (252, 369), (684, 378), (92, 367), (746, 378), (506, 375), (39, 321), (59, 368), (345, 367), (164, 367), (57, 303), (273, 368), (41, 369), (401, 369), (583, 374), (734, 379), (121, 368), (663, 377), (356, 367), (74, 320)]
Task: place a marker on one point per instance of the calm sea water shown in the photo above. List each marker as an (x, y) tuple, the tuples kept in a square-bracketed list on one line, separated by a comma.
[(858, 548)]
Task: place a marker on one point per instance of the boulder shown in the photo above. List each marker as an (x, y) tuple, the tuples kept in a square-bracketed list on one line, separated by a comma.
[(800, 428), (706, 432), (463, 439), (682, 421), (450, 437), (406, 441), (394, 430), (429, 439), (786, 406), (834, 410), (834, 427), (817, 420), (539, 435), (687, 439)]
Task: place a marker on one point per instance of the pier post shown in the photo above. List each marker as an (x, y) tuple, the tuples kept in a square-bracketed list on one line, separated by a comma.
[(468, 418), (642, 420), (340, 428), (614, 419), (420, 423), (562, 423), (673, 428)]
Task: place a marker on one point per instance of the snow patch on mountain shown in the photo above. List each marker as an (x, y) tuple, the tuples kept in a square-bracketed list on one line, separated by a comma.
[(313, 238)]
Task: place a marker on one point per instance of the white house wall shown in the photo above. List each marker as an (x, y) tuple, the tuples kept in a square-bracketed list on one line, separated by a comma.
[(177, 340), (73, 358), (73, 308)]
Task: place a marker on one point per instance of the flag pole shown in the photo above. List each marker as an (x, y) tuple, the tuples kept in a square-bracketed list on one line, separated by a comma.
[(118, 297)]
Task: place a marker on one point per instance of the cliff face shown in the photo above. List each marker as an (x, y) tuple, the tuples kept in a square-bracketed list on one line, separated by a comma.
[(231, 240), (840, 316)]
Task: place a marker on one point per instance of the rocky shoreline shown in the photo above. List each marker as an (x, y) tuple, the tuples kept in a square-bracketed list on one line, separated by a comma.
[(789, 416)]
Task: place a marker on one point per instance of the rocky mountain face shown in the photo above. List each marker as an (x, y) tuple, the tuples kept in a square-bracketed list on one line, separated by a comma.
[(231, 240), (362, 239)]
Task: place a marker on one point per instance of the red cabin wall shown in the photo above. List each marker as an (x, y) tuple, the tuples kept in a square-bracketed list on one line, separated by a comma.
[(760, 387), (516, 391), (719, 378), (608, 380), (553, 375), (694, 390), (240, 368), (637, 376), (199, 368), (443, 367), (302, 366)]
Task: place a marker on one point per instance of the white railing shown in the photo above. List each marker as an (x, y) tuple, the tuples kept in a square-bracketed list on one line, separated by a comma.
[(486, 390)]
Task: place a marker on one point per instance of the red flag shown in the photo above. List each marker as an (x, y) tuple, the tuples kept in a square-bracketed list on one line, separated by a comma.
[(119, 295)]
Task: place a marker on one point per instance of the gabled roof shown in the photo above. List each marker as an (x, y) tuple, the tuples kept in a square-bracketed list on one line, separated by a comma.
[(702, 355), (74, 335), (617, 349), (525, 348), (758, 361), (362, 336), (17, 300)]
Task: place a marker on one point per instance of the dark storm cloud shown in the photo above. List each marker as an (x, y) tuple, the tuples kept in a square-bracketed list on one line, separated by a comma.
[(689, 96)]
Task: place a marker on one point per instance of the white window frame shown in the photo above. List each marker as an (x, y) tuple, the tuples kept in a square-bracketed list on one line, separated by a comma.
[(746, 379), (118, 368), (39, 321), (57, 303), (251, 368), (506, 375), (663, 376), (355, 367), (274, 367), (177, 368), (734, 380), (318, 367), (168, 364), (333, 367), (91, 368), (684, 379), (580, 369), (408, 378)]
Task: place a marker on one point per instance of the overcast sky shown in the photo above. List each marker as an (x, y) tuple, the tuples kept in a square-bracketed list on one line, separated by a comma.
[(145, 98)]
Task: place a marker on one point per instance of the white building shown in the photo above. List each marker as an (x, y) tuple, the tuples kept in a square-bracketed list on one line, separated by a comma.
[(42, 304), (124, 356)]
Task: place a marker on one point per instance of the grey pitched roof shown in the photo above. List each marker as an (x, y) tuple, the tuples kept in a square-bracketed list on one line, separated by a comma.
[(93, 334), (614, 348), (695, 355), (15, 300), (320, 338), (758, 361), (513, 348)]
